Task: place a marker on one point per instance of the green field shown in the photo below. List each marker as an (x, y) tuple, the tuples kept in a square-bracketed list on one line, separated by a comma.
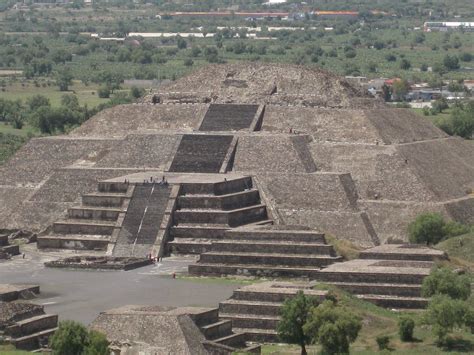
[(87, 95)]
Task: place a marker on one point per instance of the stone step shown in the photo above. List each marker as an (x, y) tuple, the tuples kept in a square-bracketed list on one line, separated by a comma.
[(32, 341), (223, 202), (234, 306), (219, 188), (364, 277), (32, 325), (230, 218), (413, 255), (81, 226), (11, 249), (217, 330), (268, 259), (251, 320), (259, 335), (74, 241), (406, 290), (207, 317), (272, 295), (103, 199), (272, 247), (234, 340), (97, 213), (276, 235), (396, 301), (197, 231), (261, 270), (189, 246)]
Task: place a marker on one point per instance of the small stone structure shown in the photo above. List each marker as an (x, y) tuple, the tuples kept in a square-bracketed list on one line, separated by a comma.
[(99, 263), (13, 292), (24, 325), (6, 249), (170, 330)]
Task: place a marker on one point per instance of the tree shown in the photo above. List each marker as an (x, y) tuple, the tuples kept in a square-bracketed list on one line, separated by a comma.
[(70, 101), (462, 120), (333, 327), (400, 89), (444, 314), (451, 62), (426, 228), (443, 281), (406, 326), (294, 314), (71, 338), (137, 92), (98, 344), (64, 79), (405, 64), (103, 92), (181, 43), (37, 101)]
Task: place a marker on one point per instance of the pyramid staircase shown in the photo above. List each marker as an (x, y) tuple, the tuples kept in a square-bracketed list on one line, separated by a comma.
[(91, 225), (31, 327), (220, 332)]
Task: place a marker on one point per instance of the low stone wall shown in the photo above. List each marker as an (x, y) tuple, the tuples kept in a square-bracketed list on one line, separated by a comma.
[(99, 263)]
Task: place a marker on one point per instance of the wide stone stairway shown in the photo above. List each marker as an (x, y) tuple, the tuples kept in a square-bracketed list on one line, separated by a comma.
[(199, 153), (228, 117), (91, 225), (142, 220)]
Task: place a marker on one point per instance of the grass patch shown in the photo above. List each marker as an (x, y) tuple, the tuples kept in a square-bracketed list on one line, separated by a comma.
[(10, 350), (24, 132), (344, 247)]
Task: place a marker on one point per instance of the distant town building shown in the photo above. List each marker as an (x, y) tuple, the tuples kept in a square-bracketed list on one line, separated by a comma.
[(448, 26)]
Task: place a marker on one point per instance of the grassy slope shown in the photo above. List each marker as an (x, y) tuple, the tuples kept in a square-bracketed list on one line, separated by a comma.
[(460, 250), (379, 321)]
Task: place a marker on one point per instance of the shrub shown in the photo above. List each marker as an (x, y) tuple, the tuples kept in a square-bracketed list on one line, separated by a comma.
[(103, 92), (443, 281), (382, 342), (406, 326), (427, 228)]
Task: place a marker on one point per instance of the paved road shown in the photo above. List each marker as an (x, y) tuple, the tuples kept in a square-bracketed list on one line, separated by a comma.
[(81, 295)]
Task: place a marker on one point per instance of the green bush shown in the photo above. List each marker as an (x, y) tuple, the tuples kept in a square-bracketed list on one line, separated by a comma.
[(406, 326), (443, 281), (73, 338), (427, 228), (383, 341), (103, 92)]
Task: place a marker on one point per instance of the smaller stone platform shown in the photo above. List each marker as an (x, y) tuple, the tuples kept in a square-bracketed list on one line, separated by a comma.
[(12, 292), (26, 325), (99, 263), (6, 249), (388, 275)]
